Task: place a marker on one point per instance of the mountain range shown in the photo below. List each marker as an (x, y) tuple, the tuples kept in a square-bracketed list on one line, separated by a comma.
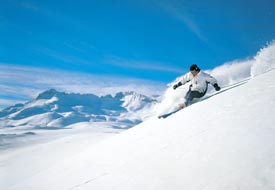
[(53, 109)]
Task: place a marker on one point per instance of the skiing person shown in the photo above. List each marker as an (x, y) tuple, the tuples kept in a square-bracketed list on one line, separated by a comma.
[(199, 83)]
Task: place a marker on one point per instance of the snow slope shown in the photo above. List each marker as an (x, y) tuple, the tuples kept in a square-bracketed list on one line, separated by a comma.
[(224, 142)]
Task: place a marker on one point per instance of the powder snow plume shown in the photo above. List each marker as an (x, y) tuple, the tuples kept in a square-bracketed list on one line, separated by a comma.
[(264, 60), (227, 74)]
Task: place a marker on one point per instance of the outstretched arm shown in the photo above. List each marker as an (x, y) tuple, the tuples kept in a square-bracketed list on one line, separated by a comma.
[(213, 81), (186, 78)]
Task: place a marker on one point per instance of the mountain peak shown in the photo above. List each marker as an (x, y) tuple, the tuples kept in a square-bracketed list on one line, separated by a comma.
[(48, 94)]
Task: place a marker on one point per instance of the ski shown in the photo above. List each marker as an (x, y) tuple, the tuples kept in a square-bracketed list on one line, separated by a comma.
[(168, 114)]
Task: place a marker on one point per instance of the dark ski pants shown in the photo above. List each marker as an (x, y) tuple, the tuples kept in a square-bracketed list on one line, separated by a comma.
[(190, 95)]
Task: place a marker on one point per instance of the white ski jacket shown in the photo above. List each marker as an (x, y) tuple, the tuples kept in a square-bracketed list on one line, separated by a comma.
[(199, 82)]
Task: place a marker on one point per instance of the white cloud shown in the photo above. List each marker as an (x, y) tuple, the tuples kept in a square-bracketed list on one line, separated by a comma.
[(25, 83), (143, 65), (181, 10), (6, 102)]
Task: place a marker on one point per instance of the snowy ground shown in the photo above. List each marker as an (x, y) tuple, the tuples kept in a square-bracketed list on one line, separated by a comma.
[(224, 142), (15, 138)]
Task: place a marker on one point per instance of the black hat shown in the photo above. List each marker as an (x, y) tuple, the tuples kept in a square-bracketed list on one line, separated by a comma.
[(194, 67)]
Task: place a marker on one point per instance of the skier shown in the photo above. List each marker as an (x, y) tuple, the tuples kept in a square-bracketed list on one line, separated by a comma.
[(199, 83)]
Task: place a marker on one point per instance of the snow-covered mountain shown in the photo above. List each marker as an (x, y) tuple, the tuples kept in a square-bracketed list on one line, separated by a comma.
[(53, 109)]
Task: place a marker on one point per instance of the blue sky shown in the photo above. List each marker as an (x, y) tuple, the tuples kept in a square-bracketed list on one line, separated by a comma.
[(142, 41)]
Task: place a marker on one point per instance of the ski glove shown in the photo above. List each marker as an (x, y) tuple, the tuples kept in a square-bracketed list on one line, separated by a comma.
[(177, 85), (216, 86)]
